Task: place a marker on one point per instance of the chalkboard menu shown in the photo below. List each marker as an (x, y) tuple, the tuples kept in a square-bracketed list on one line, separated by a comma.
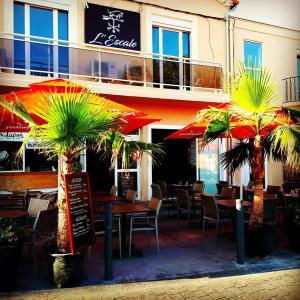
[(79, 208), (126, 181)]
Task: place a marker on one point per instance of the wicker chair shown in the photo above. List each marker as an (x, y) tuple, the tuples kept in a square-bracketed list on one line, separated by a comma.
[(183, 203)]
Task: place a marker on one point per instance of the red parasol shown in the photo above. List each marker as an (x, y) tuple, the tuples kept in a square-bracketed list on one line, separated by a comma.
[(39, 91)]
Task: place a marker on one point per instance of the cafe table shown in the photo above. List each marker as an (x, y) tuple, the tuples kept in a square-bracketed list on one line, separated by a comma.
[(13, 214), (107, 200), (123, 210)]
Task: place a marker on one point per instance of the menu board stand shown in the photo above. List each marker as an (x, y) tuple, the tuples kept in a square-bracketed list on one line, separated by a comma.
[(79, 211)]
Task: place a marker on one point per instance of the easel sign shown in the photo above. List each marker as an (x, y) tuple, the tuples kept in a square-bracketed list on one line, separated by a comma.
[(79, 211)]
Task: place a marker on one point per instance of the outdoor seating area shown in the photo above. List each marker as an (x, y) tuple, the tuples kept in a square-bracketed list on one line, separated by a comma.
[(150, 235)]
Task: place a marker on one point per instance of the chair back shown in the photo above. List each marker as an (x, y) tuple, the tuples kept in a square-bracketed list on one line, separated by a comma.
[(113, 190), (287, 187), (228, 192), (237, 192), (154, 205), (163, 187), (131, 195), (270, 211), (209, 205), (220, 185), (45, 222), (270, 196), (183, 198), (156, 191), (273, 188), (36, 205), (198, 187)]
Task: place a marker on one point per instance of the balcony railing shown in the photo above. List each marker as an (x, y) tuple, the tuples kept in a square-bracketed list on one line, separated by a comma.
[(31, 55), (292, 89)]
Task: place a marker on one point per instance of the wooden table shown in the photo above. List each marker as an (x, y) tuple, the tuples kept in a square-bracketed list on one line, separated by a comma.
[(231, 203), (124, 209), (13, 214)]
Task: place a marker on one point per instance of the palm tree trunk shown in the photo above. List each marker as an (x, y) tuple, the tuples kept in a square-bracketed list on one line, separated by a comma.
[(256, 219), (63, 239)]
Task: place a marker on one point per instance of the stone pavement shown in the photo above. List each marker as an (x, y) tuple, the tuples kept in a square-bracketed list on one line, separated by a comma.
[(272, 285)]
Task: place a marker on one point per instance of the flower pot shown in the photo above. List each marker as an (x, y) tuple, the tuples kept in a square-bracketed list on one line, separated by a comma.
[(65, 269), (10, 256), (259, 242)]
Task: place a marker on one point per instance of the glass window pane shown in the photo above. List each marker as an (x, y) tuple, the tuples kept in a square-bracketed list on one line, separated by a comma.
[(155, 39), (186, 44), (35, 161), (9, 161), (170, 43), (41, 55), (63, 53), (209, 166), (252, 54), (19, 46)]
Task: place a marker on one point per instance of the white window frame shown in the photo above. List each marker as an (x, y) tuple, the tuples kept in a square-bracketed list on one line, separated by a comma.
[(171, 24), (257, 42), (132, 137), (55, 36)]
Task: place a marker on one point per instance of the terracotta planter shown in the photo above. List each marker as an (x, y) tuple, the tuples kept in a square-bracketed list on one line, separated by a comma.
[(65, 270), (9, 264)]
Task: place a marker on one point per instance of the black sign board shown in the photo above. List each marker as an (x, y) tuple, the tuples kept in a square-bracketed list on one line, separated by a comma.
[(112, 27), (126, 181), (79, 208)]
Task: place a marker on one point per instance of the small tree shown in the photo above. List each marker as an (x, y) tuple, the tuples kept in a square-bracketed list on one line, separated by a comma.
[(254, 113), (68, 123)]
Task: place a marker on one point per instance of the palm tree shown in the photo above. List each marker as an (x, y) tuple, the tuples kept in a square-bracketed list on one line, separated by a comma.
[(266, 130), (63, 124)]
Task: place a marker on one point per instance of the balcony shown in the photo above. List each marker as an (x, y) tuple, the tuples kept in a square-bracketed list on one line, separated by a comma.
[(37, 56), (292, 90)]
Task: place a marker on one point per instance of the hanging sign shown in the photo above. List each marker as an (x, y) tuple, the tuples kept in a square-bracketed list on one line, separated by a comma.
[(79, 208), (111, 27)]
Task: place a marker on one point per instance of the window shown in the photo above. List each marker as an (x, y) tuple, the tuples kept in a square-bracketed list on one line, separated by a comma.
[(40, 55), (170, 70), (252, 54), (36, 161), (9, 161)]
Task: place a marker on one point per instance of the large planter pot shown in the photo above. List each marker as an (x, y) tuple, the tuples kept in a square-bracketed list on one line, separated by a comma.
[(259, 242), (65, 270), (9, 264)]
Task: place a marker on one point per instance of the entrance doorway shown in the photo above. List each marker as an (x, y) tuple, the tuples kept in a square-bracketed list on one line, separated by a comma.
[(179, 163), (101, 178)]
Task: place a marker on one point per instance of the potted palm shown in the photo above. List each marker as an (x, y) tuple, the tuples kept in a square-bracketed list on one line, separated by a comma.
[(254, 116), (11, 242), (63, 124)]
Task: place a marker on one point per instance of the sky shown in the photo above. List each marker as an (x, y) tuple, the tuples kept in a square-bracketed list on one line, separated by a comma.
[(284, 13)]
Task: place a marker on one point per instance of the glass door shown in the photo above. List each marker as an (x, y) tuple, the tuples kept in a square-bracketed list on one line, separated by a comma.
[(170, 69)]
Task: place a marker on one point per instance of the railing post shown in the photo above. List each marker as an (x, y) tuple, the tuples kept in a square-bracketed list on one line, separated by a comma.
[(145, 72), (239, 223)]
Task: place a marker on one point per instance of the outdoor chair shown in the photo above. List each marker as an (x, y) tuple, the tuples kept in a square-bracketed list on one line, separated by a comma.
[(43, 231), (220, 185), (157, 193), (212, 213), (99, 229), (183, 203), (147, 222), (36, 205), (131, 195), (113, 191), (227, 193), (198, 188), (273, 189)]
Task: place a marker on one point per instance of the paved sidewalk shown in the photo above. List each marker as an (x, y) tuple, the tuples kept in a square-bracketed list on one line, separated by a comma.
[(272, 285)]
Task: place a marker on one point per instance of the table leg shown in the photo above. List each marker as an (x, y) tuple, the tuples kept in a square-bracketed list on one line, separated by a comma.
[(108, 272)]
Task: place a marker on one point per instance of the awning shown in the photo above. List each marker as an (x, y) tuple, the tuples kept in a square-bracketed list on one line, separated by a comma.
[(39, 92)]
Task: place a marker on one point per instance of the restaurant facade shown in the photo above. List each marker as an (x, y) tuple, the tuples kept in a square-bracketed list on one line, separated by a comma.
[(167, 59)]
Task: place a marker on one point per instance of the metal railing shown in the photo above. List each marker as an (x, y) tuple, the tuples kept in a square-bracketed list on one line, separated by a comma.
[(32, 55), (292, 89)]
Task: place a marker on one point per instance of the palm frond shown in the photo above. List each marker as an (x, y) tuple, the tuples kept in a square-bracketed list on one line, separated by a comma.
[(115, 145)]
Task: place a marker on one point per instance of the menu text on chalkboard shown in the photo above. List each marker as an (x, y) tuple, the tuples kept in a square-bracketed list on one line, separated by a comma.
[(126, 181), (79, 208)]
